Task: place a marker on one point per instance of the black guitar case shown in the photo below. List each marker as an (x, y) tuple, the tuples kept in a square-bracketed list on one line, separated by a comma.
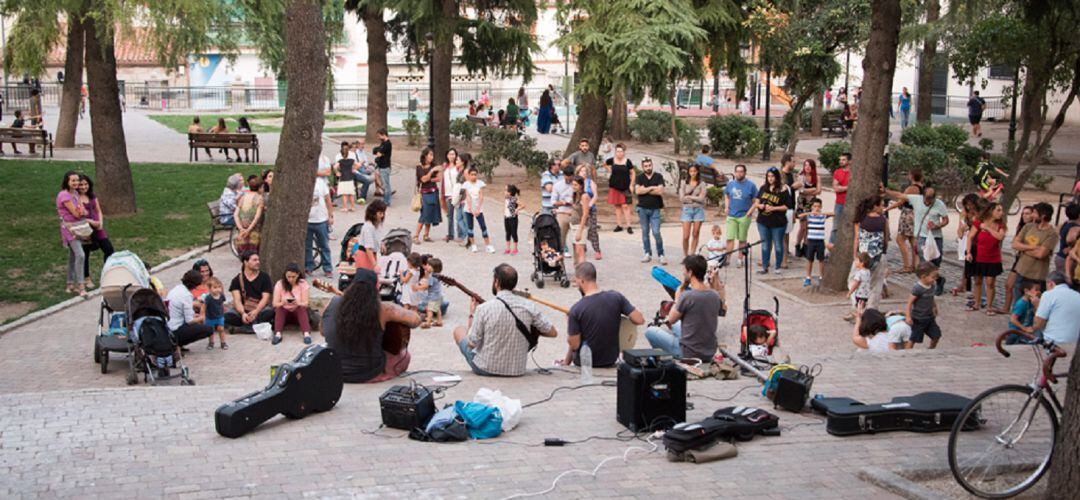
[(735, 422), (926, 412), (312, 382)]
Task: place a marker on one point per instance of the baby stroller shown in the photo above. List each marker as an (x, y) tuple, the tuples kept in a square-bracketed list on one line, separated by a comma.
[(154, 349), (398, 244), (545, 229), (122, 270), (768, 320), (353, 232)]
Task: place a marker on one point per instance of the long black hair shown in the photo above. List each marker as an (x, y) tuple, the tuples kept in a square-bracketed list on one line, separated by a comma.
[(64, 186), (291, 267), (865, 207), (89, 187), (358, 315), (872, 323)]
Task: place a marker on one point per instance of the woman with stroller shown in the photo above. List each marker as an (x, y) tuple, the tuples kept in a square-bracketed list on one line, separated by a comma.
[(427, 182), (72, 216), (99, 239), (291, 303), (249, 217)]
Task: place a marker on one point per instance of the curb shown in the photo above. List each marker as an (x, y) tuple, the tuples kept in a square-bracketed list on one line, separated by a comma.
[(55, 308), (894, 483)]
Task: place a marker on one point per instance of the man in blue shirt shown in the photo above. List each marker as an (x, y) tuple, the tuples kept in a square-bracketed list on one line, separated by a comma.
[(703, 158), (547, 181), (1058, 315), (739, 195)]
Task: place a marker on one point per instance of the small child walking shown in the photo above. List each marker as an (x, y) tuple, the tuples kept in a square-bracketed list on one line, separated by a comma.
[(474, 205), (815, 240), (408, 279), (859, 286), (511, 208), (433, 302), (214, 309), (922, 310)]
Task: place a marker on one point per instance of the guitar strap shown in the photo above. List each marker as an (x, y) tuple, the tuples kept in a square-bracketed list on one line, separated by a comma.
[(532, 339)]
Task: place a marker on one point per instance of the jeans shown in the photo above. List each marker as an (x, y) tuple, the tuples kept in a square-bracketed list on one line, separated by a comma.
[(479, 219), (191, 332), (660, 338), (76, 262), (451, 222), (905, 115), (233, 318), (384, 174), (937, 262), (469, 354), (365, 181), (319, 234), (650, 221), (838, 219), (772, 238), (462, 226)]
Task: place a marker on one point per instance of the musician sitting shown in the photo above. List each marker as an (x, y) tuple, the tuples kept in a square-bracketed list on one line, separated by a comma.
[(595, 319), (493, 343), (354, 325)]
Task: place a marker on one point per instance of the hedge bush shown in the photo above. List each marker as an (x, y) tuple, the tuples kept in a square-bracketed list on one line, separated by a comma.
[(463, 129), (829, 154), (944, 137), (651, 126), (503, 144), (412, 130), (734, 136)]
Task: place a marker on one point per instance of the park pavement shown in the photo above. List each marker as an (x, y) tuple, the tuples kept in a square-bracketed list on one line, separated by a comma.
[(69, 430)]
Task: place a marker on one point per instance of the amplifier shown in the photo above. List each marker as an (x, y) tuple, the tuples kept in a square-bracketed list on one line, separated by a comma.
[(650, 397), (792, 390), (406, 407), (645, 357)]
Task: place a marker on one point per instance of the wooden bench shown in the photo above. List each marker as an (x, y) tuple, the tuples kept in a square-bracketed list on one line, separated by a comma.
[(836, 128), (222, 141), (214, 207), (476, 120), (35, 136), (709, 175)]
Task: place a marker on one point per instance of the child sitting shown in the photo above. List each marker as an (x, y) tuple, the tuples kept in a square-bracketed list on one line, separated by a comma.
[(433, 301), (758, 340), (716, 248), (1022, 316), (549, 255), (214, 309), (859, 286)]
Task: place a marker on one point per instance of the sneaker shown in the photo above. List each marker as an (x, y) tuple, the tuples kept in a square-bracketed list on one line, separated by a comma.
[(472, 248), (646, 258), (307, 339), (778, 271), (360, 201), (506, 252), (618, 229), (224, 346), (806, 282), (629, 230), (598, 256), (763, 271), (663, 260), (490, 249), (210, 346)]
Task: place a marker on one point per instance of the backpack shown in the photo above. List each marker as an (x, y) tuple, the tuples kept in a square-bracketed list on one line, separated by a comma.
[(734, 422)]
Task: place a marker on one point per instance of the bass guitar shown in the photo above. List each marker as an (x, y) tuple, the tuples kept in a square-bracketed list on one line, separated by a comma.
[(396, 336), (533, 335), (627, 329)]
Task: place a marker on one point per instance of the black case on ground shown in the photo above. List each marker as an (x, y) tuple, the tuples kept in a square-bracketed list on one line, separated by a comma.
[(738, 423), (792, 390), (312, 382), (651, 397), (925, 412), (406, 407)]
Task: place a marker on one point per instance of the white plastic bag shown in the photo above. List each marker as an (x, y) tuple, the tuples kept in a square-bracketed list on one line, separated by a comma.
[(509, 408), (263, 330), (930, 249), (961, 248)]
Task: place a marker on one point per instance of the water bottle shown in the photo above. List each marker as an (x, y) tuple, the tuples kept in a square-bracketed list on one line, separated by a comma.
[(585, 356)]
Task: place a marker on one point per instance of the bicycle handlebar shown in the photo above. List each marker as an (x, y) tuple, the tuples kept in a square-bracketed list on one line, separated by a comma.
[(1053, 351)]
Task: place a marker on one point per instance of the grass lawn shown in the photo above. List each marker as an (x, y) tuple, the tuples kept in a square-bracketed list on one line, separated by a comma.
[(180, 123), (172, 219)]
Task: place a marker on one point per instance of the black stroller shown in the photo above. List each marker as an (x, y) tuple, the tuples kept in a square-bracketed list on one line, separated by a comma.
[(545, 229), (155, 352)]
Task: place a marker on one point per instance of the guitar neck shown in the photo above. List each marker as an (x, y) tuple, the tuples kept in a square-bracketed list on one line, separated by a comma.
[(454, 283), (326, 287), (557, 307)]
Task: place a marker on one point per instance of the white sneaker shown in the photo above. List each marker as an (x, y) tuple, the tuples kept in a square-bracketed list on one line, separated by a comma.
[(473, 249), (490, 249), (646, 258), (777, 271), (663, 260), (738, 263)]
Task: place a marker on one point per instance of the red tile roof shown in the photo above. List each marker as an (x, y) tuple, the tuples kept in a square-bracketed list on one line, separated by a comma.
[(133, 48)]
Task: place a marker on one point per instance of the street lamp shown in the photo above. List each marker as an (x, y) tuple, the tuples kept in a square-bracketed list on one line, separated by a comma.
[(430, 37), (768, 132)]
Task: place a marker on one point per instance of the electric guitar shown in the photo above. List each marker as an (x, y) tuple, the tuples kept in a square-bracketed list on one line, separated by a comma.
[(627, 329), (396, 336), (533, 335)]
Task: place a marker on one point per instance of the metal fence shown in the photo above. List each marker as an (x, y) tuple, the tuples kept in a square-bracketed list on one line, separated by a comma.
[(955, 106)]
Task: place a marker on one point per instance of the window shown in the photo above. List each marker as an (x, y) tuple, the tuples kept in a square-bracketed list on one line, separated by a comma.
[(1001, 72)]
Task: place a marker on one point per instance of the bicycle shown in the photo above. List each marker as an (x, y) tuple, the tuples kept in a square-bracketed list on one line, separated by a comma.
[(1013, 208), (1011, 447)]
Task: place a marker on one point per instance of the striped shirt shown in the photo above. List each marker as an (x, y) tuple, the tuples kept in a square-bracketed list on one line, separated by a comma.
[(815, 225), (545, 195)]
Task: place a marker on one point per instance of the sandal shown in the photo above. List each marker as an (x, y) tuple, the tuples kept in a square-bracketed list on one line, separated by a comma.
[(991, 312), (437, 323), (971, 308), (425, 325), (427, 239)]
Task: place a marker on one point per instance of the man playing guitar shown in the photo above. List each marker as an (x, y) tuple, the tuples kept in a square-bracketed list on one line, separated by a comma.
[(595, 319)]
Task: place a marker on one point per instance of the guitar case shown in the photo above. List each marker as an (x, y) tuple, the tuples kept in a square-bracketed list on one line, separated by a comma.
[(925, 412), (731, 423), (312, 382)]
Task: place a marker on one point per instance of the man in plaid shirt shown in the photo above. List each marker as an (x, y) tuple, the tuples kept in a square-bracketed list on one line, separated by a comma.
[(492, 343)]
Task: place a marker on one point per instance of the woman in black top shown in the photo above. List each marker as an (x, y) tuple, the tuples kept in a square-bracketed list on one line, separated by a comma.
[(772, 204), (427, 182), (622, 177)]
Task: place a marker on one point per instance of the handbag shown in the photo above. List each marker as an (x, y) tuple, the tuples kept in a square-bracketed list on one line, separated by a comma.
[(81, 229), (416, 200)]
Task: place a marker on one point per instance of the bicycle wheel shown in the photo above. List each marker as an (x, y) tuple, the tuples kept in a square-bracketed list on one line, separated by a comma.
[(1011, 448)]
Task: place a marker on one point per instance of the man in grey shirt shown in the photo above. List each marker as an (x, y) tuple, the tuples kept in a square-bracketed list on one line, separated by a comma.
[(693, 320), (583, 156)]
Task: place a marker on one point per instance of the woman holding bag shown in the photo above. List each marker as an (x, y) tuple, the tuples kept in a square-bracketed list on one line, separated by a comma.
[(73, 229)]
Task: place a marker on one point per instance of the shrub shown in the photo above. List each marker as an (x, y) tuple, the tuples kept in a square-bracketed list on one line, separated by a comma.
[(904, 158), (753, 141), (651, 126), (944, 137), (463, 129), (828, 116), (412, 130), (784, 134), (689, 137), (735, 135), (502, 144), (714, 194), (829, 154), (1041, 182), (986, 144)]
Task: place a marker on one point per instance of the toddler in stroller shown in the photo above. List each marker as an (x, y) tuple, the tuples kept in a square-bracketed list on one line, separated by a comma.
[(154, 348), (546, 238)]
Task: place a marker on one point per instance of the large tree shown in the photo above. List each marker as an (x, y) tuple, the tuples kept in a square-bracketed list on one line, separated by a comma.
[(1065, 464), (372, 14), (115, 188), (925, 88), (871, 136), (305, 67), (71, 96)]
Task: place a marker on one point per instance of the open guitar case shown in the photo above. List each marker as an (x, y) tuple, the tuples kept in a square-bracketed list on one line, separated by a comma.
[(925, 412)]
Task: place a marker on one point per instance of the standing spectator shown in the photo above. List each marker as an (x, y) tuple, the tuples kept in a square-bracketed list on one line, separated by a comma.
[(739, 195), (512, 112), (1027, 216), (184, 323), (787, 174), (227, 201), (511, 208), (427, 182), (871, 233), (463, 161), (547, 184), (562, 200), (1067, 236), (905, 234), (1035, 246), (213, 309), (474, 204), (694, 317), (264, 190), (579, 218), (930, 216), (903, 104), (814, 248), (291, 303), (249, 217), (414, 102), (251, 290), (345, 168), (828, 98), (72, 214), (859, 286), (320, 218), (650, 190), (1059, 311), (622, 178), (692, 197), (971, 206), (371, 234), (585, 172), (382, 160), (984, 249), (583, 155), (449, 188), (543, 115), (99, 239), (808, 190), (975, 106), (522, 102), (840, 185), (703, 157), (771, 205)]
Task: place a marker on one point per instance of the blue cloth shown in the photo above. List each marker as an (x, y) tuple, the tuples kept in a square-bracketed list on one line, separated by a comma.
[(704, 160), (543, 119), (545, 195), (650, 222), (666, 279), (215, 322), (469, 355), (483, 421), (740, 195), (318, 234), (451, 221), (462, 226), (479, 218), (691, 214), (1060, 308), (429, 208), (771, 238)]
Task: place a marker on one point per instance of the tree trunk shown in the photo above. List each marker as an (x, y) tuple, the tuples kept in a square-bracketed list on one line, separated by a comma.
[(301, 136), (442, 64), (591, 122), (115, 189), (377, 106), (1065, 464), (71, 95), (674, 129), (868, 145), (796, 113), (816, 114), (620, 128), (925, 91)]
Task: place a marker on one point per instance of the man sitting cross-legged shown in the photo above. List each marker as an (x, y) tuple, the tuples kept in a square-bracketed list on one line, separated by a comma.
[(694, 317), (595, 319), (251, 290), (493, 343)]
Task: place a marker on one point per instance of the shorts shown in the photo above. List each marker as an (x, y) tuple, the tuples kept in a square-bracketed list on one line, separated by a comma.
[(790, 221), (576, 230), (907, 223), (815, 250), (215, 322), (985, 269), (693, 214), (900, 331), (616, 197), (346, 188), (737, 227), (434, 305), (924, 327), (974, 119)]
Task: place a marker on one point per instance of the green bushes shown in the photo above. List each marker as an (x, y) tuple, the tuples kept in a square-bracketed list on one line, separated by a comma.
[(651, 126), (734, 136), (463, 129), (944, 137), (943, 155), (502, 144), (412, 130), (829, 154)]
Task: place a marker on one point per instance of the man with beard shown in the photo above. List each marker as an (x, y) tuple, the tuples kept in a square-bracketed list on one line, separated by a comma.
[(594, 320)]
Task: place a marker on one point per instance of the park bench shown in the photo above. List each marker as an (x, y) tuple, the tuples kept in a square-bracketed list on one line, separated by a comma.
[(214, 207), (222, 141), (836, 128), (476, 120), (35, 136), (709, 175)]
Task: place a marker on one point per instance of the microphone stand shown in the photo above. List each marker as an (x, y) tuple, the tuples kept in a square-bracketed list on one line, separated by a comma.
[(746, 272)]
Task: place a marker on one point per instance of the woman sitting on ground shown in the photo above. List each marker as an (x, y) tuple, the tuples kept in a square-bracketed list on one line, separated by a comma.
[(291, 303), (354, 324)]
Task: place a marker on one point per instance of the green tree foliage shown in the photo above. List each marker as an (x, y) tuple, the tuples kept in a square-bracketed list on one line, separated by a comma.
[(264, 26)]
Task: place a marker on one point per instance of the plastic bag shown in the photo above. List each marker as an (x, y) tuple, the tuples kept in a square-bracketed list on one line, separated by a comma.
[(930, 250), (483, 421), (961, 248), (263, 330), (508, 407)]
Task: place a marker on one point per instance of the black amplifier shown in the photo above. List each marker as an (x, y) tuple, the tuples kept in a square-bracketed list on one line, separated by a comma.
[(407, 407), (650, 397)]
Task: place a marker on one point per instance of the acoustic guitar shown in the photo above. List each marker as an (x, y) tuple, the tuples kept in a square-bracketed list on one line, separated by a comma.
[(396, 336), (627, 329), (534, 335)]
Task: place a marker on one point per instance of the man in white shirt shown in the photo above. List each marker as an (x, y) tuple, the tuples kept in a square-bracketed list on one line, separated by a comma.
[(1058, 315), (320, 218), (184, 322), (562, 200), (366, 175)]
